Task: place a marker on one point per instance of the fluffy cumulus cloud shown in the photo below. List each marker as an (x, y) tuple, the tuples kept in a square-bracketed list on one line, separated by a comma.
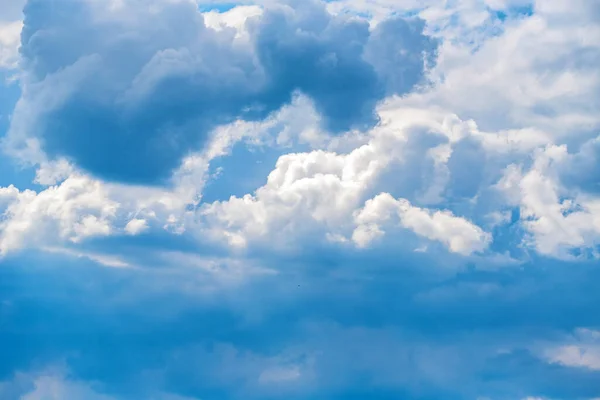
[(458, 234), (381, 199)]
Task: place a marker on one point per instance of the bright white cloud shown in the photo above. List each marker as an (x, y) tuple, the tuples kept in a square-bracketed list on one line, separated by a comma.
[(136, 226), (557, 219), (540, 72), (458, 234), (76, 209), (320, 186), (527, 72), (81, 207)]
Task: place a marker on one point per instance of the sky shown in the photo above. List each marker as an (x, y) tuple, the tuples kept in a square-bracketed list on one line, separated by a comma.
[(299, 199)]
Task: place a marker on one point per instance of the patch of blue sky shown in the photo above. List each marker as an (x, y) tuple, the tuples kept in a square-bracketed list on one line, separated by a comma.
[(217, 6), (240, 172), (512, 12)]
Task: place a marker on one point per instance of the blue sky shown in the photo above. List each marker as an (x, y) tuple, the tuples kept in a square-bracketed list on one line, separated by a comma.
[(206, 200)]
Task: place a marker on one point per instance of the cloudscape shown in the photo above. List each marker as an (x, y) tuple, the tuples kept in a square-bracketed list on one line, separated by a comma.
[(299, 199)]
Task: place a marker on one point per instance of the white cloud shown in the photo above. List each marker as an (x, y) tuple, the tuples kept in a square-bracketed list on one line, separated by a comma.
[(10, 36), (53, 172), (539, 73), (136, 226), (322, 187), (557, 219), (458, 234), (576, 356), (583, 351), (11, 23), (536, 72), (78, 208), (234, 18)]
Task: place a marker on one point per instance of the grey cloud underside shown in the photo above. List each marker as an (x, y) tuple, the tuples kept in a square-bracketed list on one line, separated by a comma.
[(135, 94)]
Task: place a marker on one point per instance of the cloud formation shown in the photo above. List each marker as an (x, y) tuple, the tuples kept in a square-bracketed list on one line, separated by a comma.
[(458, 234), (131, 97)]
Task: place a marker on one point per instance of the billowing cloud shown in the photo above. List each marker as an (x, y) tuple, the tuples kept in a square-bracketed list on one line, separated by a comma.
[(560, 221), (77, 209), (131, 97), (458, 234), (319, 191)]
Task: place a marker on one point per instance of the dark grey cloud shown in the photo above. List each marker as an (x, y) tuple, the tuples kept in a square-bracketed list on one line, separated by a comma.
[(126, 92)]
